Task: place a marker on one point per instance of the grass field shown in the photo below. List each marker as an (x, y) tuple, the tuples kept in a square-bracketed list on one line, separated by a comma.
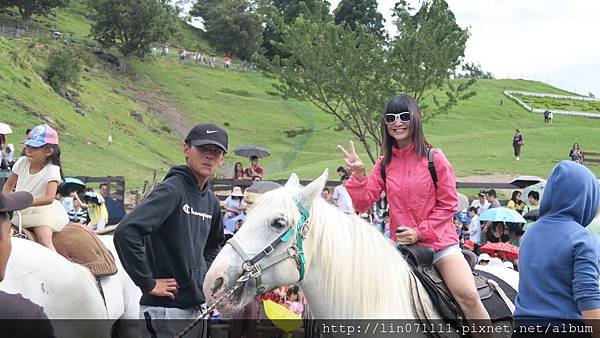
[(476, 136)]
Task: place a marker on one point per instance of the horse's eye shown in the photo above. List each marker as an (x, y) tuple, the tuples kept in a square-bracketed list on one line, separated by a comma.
[(279, 223)]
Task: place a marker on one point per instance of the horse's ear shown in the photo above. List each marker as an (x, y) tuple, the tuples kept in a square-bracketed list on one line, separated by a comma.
[(313, 190), (293, 181)]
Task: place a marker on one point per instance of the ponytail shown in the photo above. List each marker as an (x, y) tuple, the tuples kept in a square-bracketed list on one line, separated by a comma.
[(55, 158)]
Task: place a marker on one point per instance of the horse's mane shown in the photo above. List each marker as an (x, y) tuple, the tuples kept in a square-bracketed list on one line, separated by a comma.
[(351, 256)]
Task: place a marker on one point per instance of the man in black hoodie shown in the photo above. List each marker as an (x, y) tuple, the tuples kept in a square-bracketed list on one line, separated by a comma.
[(167, 243)]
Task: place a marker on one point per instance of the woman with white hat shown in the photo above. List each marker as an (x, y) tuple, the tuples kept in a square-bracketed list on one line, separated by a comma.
[(234, 205)]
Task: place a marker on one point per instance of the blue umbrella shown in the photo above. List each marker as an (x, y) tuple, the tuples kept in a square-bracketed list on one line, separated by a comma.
[(230, 223), (501, 215)]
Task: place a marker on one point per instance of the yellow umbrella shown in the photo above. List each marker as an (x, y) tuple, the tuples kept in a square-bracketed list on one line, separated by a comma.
[(281, 317)]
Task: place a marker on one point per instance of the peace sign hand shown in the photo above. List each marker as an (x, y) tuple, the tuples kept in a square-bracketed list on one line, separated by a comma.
[(352, 161)]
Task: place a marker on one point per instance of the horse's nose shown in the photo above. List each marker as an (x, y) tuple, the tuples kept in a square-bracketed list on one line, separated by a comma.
[(217, 286)]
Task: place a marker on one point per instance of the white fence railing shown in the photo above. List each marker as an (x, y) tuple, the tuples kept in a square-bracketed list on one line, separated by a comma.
[(509, 94)]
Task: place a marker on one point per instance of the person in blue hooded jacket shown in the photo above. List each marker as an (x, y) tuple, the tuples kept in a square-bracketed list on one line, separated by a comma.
[(558, 256)]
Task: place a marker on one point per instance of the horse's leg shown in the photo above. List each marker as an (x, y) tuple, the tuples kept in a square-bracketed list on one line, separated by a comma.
[(44, 236)]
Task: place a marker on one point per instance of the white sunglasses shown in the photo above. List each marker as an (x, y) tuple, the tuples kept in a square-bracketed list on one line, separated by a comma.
[(391, 118)]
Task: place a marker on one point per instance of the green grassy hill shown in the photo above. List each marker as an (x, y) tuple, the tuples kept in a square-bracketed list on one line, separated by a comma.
[(477, 134), (169, 96)]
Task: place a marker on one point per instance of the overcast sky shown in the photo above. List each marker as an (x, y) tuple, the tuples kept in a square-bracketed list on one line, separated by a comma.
[(554, 41)]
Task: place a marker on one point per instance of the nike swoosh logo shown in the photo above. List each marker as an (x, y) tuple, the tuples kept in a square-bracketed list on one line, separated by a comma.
[(211, 131)]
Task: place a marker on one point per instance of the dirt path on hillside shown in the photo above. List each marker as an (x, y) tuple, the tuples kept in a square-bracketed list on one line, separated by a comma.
[(154, 101)]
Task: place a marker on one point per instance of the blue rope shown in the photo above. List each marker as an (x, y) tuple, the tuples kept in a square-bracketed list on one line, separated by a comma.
[(304, 215)]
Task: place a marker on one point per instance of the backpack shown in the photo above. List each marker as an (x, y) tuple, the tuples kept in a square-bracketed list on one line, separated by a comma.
[(431, 166)]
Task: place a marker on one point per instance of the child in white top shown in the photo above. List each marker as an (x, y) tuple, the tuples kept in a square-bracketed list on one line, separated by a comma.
[(39, 173)]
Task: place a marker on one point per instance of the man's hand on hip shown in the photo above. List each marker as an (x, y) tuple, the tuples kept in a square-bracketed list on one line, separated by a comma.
[(165, 287)]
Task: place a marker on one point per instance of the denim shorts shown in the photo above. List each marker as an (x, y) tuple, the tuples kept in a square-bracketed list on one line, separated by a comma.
[(451, 250)]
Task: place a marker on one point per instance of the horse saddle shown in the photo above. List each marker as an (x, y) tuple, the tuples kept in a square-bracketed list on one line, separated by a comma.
[(496, 295), (80, 246)]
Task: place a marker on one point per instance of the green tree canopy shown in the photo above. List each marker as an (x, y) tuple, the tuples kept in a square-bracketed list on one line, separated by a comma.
[(428, 49), (360, 12), (131, 25), (351, 74), (28, 8), (342, 72), (277, 14), (232, 26)]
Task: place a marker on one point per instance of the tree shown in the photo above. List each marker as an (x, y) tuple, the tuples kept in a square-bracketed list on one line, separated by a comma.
[(292, 9), (472, 70), (131, 25), (28, 8), (341, 71), (351, 74), (429, 47), (63, 68), (232, 26), (361, 12), (277, 14)]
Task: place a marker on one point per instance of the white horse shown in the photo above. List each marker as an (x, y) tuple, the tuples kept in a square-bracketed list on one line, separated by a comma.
[(351, 270), (69, 291)]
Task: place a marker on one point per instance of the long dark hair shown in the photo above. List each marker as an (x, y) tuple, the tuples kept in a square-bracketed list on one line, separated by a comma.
[(55, 158), (235, 171), (514, 196), (396, 105)]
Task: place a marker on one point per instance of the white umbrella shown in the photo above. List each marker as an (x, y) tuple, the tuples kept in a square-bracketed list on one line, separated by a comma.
[(539, 187), (463, 201), (5, 129)]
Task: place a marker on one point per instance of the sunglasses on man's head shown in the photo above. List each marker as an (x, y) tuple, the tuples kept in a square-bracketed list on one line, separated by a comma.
[(391, 118)]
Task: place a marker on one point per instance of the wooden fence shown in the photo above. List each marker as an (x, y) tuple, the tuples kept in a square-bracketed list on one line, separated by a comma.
[(116, 185), (223, 187), (591, 157)]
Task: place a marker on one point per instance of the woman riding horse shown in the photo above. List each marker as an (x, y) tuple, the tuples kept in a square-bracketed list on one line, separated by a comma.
[(421, 205)]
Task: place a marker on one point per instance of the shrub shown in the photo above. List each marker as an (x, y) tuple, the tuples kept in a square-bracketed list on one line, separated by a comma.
[(63, 68)]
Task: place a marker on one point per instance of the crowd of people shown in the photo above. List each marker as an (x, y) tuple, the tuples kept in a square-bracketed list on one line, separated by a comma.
[(202, 58), (409, 195)]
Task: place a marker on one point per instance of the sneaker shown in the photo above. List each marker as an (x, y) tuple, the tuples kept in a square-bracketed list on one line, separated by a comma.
[(517, 158)]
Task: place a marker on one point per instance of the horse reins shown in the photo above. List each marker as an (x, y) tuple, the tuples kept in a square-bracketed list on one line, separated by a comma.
[(253, 269)]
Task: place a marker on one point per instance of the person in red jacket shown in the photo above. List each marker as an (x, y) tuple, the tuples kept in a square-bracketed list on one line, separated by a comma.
[(421, 209)]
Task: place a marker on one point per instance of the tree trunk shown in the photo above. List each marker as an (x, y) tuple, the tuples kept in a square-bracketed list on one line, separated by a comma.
[(365, 143), (25, 17), (124, 63)]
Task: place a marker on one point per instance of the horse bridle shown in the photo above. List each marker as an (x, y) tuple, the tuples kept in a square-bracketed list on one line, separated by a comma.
[(256, 265)]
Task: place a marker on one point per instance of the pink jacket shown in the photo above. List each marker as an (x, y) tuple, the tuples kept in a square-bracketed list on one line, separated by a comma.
[(412, 197)]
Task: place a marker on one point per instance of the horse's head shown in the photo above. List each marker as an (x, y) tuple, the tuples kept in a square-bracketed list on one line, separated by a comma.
[(269, 246)]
